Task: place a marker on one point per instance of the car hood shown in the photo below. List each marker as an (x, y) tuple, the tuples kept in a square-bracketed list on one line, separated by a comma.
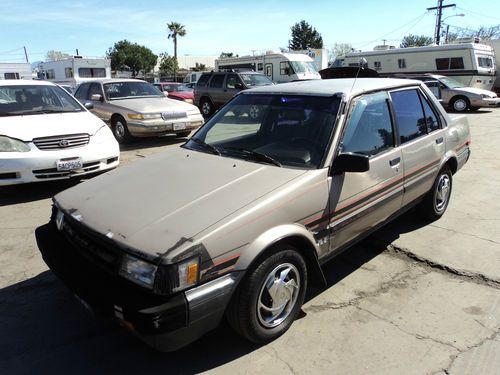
[(28, 127), (149, 105), (474, 90), (156, 203)]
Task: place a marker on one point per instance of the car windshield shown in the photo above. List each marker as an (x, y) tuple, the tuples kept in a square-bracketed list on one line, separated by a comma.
[(286, 130), (127, 90), (451, 83), (35, 99), (256, 80), (303, 67)]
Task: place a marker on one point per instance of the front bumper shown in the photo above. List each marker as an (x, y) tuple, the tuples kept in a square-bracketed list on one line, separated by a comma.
[(40, 165), (148, 128), (166, 323), (486, 102)]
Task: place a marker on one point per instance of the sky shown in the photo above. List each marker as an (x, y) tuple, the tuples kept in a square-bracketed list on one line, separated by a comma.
[(93, 26)]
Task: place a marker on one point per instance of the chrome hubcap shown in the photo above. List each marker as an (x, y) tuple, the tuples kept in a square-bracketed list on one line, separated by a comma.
[(278, 295), (205, 108), (443, 192), (460, 105), (119, 130)]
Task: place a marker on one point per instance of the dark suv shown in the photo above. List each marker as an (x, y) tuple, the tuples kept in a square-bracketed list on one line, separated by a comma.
[(215, 89)]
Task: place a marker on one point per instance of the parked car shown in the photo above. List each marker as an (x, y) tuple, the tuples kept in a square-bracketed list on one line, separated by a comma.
[(255, 208), (455, 95), (135, 108), (45, 134), (177, 91), (215, 89)]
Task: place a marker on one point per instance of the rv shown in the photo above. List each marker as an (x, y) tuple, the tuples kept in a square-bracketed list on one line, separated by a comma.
[(15, 71), (472, 64), (74, 70), (279, 67)]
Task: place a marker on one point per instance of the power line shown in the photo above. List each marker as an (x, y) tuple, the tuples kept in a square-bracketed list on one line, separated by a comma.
[(479, 14)]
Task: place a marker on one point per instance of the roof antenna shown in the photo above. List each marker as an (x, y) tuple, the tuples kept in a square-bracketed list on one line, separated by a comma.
[(361, 66)]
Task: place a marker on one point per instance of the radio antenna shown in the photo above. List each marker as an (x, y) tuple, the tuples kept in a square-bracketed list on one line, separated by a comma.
[(361, 65)]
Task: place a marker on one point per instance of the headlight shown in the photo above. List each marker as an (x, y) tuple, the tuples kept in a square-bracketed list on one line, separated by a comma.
[(143, 116), (187, 274), (138, 271), (485, 96), (12, 145), (190, 101)]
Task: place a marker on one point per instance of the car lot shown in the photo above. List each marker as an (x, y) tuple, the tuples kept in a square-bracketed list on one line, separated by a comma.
[(413, 298)]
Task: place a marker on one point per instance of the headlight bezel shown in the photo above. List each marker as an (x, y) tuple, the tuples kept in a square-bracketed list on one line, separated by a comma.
[(16, 145), (138, 271)]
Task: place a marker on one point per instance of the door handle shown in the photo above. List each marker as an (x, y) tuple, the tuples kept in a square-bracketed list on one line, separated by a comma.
[(439, 140), (394, 162)]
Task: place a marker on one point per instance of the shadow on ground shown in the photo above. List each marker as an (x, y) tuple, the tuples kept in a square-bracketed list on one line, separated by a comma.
[(31, 192), (45, 330)]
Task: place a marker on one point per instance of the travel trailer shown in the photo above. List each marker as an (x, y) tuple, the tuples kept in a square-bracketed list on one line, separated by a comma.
[(74, 70), (279, 67), (472, 64), (15, 71)]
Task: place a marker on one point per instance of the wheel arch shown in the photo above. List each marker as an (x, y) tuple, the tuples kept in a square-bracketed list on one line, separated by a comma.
[(116, 116), (293, 234)]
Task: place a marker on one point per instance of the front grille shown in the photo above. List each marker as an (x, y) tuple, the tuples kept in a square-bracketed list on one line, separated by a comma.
[(173, 115), (58, 142), (54, 173), (94, 249)]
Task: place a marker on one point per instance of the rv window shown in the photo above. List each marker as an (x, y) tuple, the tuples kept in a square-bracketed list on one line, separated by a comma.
[(217, 81), (449, 63), (485, 62), (92, 72), (410, 118), (456, 63), (260, 66), (401, 63), (68, 72), (11, 75), (377, 65), (50, 74), (285, 68)]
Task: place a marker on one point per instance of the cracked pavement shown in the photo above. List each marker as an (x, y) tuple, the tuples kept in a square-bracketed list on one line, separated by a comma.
[(414, 298)]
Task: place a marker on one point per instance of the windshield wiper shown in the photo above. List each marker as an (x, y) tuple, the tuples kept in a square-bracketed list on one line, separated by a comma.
[(206, 146), (257, 156)]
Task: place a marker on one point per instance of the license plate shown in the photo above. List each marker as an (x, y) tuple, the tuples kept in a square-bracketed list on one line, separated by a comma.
[(69, 164), (180, 126)]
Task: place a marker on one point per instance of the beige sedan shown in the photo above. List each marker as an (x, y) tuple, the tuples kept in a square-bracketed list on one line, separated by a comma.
[(135, 108)]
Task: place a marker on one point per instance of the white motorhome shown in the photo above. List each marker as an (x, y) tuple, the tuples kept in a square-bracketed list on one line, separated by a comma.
[(279, 67), (472, 64), (15, 71), (74, 70)]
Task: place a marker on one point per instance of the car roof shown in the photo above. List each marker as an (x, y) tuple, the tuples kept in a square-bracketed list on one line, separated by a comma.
[(345, 86), (115, 80), (25, 82)]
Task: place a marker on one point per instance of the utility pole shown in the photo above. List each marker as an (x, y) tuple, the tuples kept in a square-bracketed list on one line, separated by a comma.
[(439, 8), (26, 54)]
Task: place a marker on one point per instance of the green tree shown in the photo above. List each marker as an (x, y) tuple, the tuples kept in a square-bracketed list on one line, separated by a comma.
[(199, 67), (168, 64), (125, 55), (55, 55), (175, 30), (304, 36), (415, 41), (224, 55)]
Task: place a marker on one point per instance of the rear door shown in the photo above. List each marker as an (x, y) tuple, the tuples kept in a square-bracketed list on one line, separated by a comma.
[(360, 201), (216, 90), (422, 141)]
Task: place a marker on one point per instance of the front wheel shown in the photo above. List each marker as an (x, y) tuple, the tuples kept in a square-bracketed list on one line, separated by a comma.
[(120, 130), (436, 201), (460, 104), (270, 297)]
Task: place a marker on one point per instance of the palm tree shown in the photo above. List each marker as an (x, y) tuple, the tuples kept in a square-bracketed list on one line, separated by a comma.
[(175, 30)]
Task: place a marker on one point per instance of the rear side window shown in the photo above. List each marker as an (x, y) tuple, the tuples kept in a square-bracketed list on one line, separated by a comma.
[(203, 80), (81, 92), (430, 115), (410, 118), (369, 131), (217, 81)]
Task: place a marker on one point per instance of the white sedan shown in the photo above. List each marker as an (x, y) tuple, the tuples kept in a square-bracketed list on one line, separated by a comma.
[(45, 134)]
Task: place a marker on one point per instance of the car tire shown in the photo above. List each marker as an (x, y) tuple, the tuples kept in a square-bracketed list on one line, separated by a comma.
[(183, 134), (120, 130), (206, 107), (277, 282), (460, 104), (436, 201)]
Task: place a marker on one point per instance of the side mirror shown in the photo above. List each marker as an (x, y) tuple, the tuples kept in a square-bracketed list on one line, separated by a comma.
[(238, 86), (96, 97), (350, 162), (89, 105)]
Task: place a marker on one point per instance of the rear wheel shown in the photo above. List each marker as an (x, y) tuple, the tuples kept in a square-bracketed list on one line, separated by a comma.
[(206, 107), (270, 297), (120, 130), (460, 104), (436, 201)]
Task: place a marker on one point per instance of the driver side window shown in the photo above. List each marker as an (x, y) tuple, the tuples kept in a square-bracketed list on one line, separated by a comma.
[(369, 129)]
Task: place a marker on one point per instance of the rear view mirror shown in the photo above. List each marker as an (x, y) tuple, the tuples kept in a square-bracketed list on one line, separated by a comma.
[(350, 162), (96, 97), (89, 105)]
